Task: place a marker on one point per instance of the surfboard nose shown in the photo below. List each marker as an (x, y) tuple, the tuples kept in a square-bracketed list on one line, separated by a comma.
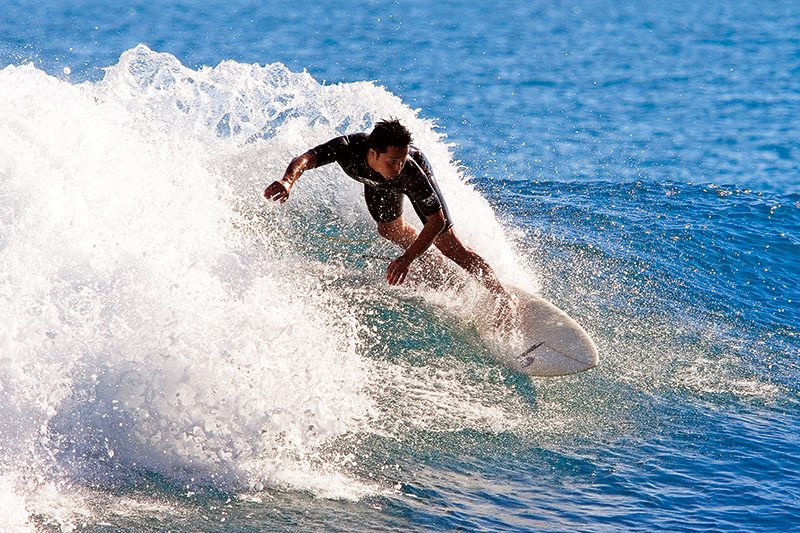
[(554, 344)]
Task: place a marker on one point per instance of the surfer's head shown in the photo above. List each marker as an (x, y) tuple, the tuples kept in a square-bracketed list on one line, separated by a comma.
[(388, 148)]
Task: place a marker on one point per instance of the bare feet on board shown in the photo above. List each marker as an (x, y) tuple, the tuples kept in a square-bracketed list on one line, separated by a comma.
[(505, 313)]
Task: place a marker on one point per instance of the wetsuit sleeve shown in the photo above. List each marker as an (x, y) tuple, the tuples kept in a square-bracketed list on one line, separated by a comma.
[(422, 189), (333, 150)]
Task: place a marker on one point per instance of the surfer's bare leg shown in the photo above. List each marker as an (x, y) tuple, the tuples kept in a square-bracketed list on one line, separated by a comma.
[(465, 257), (403, 234), (398, 231), (462, 255)]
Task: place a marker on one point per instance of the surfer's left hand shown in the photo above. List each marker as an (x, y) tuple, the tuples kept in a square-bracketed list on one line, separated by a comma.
[(398, 270)]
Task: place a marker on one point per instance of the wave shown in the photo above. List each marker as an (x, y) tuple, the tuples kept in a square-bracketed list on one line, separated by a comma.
[(159, 317)]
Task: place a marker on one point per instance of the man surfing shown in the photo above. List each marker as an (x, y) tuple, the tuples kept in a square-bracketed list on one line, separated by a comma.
[(389, 166)]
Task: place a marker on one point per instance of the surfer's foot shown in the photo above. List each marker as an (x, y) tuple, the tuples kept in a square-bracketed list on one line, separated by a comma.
[(505, 313)]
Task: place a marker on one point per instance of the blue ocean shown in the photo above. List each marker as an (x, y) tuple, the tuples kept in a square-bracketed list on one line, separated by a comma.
[(178, 354)]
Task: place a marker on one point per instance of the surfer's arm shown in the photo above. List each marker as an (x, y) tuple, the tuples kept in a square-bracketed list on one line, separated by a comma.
[(279, 190), (398, 269)]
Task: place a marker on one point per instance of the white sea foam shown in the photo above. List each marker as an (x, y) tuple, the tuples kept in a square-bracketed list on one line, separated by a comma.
[(15, 515)]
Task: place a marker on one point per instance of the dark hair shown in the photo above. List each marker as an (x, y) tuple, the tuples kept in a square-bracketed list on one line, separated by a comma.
[(389, 133)]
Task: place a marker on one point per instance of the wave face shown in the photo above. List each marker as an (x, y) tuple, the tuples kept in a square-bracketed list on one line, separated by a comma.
[(161, 318)]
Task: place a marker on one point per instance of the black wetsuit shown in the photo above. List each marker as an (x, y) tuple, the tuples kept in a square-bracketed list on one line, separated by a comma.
[(385, 197)]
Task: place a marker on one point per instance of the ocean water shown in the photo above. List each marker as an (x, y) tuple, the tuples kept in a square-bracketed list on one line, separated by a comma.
[(177, 354)]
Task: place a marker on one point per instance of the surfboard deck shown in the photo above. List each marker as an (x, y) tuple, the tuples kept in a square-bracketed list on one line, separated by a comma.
[(545, 341)]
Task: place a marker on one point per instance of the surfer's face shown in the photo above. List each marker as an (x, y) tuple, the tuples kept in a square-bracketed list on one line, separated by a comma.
[(389, 163)]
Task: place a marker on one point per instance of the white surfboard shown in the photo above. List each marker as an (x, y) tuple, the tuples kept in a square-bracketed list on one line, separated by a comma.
[(546, 342)]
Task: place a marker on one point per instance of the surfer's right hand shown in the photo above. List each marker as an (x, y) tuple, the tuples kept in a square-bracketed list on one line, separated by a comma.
[(278, 191)]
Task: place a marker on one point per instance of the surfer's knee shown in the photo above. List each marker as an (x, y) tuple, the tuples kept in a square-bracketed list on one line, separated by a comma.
[(448, 243), (452, 247)]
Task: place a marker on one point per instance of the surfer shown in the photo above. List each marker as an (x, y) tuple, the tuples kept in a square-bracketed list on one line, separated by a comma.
[(389, 166)]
